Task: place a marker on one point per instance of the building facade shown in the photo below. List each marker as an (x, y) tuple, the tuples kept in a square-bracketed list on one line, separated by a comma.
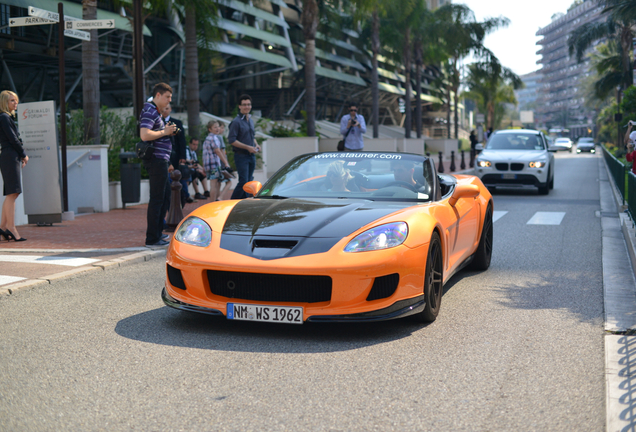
[(560, 101), (260, 52)]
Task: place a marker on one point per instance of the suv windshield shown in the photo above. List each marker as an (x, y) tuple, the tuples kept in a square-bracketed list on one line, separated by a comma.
[(515, 141)]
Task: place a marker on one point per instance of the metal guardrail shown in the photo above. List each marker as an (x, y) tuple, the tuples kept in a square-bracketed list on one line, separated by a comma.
[(618, 171), (631, 194)]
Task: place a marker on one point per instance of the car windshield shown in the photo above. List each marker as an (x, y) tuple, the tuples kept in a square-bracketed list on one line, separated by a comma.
[(586, 140), (562, 140), (356, 175), (515, 141)]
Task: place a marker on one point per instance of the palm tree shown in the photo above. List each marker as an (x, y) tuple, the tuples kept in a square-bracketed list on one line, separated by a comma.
[(463, 35), (491, 85), (618, 26), (427, 50), (310, 19), (90, 77), (376, 9), (607, 62)]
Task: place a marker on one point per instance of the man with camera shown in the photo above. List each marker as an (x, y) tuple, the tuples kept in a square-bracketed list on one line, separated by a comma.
[(352, 127), (630, 137), (152, 128)]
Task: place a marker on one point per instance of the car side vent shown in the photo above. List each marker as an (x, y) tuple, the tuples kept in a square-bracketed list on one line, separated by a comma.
[(274, 244), (175, 277), (501, 166), (516, 166), (383, 287)]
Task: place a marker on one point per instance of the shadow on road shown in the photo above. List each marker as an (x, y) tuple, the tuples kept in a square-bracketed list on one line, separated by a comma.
[(166, 326)]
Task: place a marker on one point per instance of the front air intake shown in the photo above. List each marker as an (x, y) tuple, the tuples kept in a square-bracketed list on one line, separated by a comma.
[(175, 278), (270, 287), (383, 287)]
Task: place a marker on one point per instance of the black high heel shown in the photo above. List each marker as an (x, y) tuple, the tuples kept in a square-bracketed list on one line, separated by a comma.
[(9, 236)]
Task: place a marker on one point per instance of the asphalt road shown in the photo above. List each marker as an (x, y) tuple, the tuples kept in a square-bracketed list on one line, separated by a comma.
[(518, 347)]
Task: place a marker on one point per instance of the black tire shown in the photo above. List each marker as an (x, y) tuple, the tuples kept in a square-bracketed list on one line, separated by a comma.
[(552, 181), (544, 188), (433, 280), (483, 254)]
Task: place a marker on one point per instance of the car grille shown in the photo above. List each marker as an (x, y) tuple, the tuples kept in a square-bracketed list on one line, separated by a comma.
[(516, 166), (270, 287), (501, 166)]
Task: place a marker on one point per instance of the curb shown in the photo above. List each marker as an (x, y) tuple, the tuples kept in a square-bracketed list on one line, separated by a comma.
[(95, 267)]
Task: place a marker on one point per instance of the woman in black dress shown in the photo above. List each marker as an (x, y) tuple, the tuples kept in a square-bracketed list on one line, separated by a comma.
[(12, 159)]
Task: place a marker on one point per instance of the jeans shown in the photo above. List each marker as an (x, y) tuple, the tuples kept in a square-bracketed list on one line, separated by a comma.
[(159, 183), (245, 164)]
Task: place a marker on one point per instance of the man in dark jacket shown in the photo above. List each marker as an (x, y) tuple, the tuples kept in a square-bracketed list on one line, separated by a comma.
[(178, 155)]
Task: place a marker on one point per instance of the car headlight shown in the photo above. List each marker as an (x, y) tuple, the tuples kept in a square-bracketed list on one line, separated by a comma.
[(537, 164), (381, 237), (195, 232), (484, 164)]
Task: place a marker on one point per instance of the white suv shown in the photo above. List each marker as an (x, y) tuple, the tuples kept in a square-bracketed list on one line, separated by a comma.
[(517, 158)]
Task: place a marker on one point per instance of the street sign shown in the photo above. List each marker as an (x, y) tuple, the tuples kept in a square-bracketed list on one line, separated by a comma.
[(29, 21), (78, 34), (90, 24), (55, 17)]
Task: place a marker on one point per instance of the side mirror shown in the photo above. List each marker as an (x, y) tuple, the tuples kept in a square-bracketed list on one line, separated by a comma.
[(252, 187), (479, 147), (552, 149), (463, 191)]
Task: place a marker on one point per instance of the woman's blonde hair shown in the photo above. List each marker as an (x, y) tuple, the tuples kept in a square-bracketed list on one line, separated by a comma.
[(4, 101), (338, 169)]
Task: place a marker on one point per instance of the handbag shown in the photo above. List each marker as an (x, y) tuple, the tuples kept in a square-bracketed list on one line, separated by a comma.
[(144, 150), (340, 146)]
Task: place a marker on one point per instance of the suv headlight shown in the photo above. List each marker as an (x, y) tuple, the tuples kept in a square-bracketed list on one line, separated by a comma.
[(484, 164), (537, 164), (380, 237), (195, 232)]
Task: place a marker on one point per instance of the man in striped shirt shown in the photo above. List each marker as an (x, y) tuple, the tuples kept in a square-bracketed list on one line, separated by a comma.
[(152, 128)]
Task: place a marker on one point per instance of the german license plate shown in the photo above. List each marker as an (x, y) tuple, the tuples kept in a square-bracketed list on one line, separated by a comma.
[(509, 176), (251, 312)]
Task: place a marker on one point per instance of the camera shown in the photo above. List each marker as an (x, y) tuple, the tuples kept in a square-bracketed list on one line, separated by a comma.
[(176, 131)]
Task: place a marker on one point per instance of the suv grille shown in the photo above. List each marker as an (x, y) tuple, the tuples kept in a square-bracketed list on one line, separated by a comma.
[(516, 166), (501, 166), (270, 287)]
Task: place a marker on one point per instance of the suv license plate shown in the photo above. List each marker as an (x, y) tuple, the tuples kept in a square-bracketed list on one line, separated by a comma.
[(251, 312), (509, 176)]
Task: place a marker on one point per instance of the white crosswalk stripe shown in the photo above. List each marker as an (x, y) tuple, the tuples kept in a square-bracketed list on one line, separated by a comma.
[(498, 214), (64, 261), (546, 218), (10, 279)]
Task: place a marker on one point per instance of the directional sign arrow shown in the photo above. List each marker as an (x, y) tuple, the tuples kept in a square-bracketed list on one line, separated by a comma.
[(53, 16), (90, 24), (29, 21)]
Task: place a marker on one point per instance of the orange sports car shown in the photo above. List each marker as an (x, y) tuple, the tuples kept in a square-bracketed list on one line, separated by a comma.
[(332, 237)]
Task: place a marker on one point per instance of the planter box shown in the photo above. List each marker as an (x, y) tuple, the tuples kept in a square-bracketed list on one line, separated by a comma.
[(278, 151), (381, 144), (434, 146), (411, 145)]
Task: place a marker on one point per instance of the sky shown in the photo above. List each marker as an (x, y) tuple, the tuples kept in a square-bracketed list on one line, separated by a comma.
[(516, 45)]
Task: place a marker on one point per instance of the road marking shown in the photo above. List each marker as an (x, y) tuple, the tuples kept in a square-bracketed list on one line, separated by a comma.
[(9, 279), (498, 214), (546, 218), (34, 259)]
